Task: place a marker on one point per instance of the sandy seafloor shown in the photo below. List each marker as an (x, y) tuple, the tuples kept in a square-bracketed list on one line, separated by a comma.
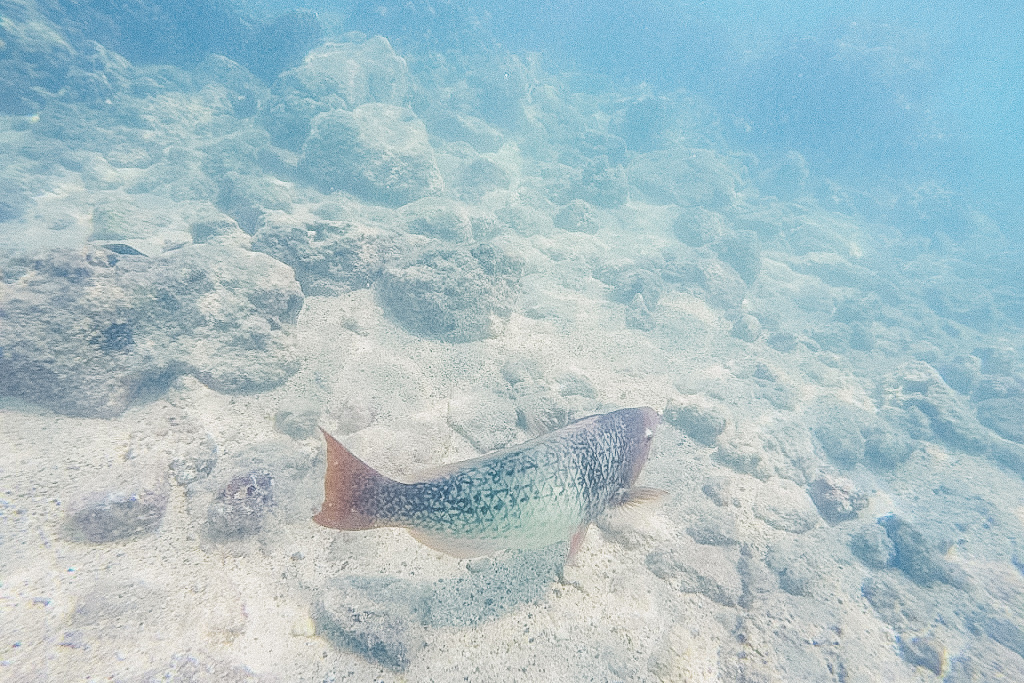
[(735, 577)]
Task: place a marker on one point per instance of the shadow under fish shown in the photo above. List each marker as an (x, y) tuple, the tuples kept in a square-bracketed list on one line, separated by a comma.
[(525, 497)]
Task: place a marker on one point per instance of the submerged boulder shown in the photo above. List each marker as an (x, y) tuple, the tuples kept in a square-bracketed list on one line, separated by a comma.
[(451, 293), (185, 33), (35, 60), (379, 152), (241, 505), (87, 331), (378, 617), (334, 76), (912, 553), (1004, 416), (118, 514), (329, 257)]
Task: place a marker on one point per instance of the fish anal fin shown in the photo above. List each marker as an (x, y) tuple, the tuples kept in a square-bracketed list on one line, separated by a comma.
[(349, 485), (462, 548), (638, 496)]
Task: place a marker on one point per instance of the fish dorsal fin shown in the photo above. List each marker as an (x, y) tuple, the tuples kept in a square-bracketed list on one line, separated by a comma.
[(640, 496), (462, 548), (446, 469)]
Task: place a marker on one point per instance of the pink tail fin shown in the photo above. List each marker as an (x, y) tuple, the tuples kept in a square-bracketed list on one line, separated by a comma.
[(347, 485)]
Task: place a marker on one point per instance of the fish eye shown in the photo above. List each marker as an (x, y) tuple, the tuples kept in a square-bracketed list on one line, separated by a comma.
[(648, 434)]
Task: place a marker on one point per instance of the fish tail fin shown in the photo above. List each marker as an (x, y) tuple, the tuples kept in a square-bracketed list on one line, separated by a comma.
[(348, 483)]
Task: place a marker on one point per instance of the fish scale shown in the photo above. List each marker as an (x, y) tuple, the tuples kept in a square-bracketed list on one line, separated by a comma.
[(527, 496)]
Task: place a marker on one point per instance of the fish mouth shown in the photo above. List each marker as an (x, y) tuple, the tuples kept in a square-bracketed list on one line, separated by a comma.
[(648, 423), (651, 419)]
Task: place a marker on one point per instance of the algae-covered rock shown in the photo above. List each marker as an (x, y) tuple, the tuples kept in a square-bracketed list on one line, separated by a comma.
[(328, 257), (872, 546), (924, 651), (794, 567), (118, 513), (696, 226), (577, 216), (249, 198), (481, 176), (782, 450), (706, 277), (183, 34), (443, 219), (711, 526), (885, 447), (241, 505), (381, 618), (747, 328), (700, 177), (379, 152), (1004, 416), (600, 183), (334, 76), (837, 429), (540, 410), (451, 293), (358, 72), (89, 330), (948, 416), (837, 498), (913, 554), (701, 420)]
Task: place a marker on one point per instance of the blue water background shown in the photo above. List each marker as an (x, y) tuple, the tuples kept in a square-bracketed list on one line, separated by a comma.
[(903, 91), (923, 101)]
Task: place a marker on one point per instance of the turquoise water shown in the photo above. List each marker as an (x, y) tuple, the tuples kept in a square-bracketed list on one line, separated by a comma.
[(436, 230)]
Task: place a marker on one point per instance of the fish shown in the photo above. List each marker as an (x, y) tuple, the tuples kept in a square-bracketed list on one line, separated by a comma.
[(525, 497)]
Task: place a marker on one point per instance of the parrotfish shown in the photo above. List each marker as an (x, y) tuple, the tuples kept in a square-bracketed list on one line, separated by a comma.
[(528, 496)]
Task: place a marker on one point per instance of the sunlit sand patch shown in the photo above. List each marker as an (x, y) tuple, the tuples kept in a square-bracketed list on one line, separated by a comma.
[(937, 453), (691, 306)]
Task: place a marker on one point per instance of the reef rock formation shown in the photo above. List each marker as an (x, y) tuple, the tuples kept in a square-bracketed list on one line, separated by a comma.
[(451, 293), (334, 76), (86, 331), (379, 152)]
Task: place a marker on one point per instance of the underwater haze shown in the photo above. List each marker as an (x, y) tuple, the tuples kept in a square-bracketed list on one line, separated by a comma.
[(888, 97), (402, 340)]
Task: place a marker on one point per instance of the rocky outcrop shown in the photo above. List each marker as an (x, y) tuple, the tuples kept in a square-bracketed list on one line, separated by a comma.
[(88, 331), (378, 152), (451, 293)]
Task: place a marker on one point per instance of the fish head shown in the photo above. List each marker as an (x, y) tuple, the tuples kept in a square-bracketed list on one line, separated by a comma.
[(639, 425)]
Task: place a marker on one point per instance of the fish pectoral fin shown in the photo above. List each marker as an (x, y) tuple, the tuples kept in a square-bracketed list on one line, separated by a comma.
[(640, 495), (462, 548), (576, 543)]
